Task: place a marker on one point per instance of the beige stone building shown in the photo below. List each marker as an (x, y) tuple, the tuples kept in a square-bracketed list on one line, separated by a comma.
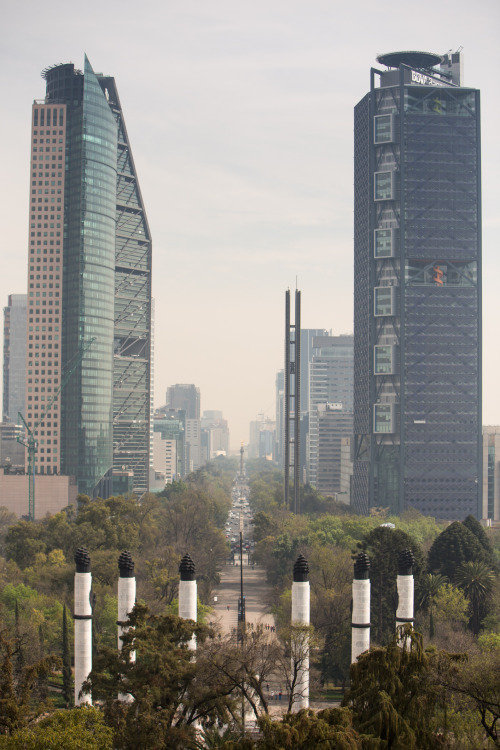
[(53, 493)]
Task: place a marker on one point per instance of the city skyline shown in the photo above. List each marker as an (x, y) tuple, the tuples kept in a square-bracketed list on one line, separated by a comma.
[(241, 123)]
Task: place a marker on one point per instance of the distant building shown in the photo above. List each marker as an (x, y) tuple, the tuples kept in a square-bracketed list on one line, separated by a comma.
[(164, 462), (266, 444), (334, 424), (307, 352), (280, 417), (214, 434), (346, 468), (185, 397), (53, 493), (330, 381), (169, 444), (194, 458), (491, 474), (12, 453), (308, 349), (14, 357), (262, 447), (183, 406)]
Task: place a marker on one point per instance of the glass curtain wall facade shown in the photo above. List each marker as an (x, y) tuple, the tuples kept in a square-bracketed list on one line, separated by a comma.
[(417, 299), (132, 322), (88, 274), (84, 263)]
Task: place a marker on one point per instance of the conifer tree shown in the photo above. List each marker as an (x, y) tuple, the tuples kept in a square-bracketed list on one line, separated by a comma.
[(453, 547), (43, 685), (66, 656), (475, 527), (392, 696)]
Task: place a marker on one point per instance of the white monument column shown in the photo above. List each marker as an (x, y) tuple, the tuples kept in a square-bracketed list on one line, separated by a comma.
[(126, 601), (188, 594), (301, 609), (126, 594), (83, 623), (360, 638), (404, 613)]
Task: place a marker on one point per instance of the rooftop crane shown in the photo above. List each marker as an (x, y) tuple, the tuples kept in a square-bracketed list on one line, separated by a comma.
[(29, 440)]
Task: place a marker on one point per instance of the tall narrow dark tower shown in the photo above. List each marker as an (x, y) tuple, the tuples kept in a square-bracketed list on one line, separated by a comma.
[(417, 289), (292, 402)]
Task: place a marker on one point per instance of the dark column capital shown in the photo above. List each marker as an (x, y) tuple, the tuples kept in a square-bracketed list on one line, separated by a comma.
[(187, 568), (362, 567), (406, 561), (126, 565), (300, 570)]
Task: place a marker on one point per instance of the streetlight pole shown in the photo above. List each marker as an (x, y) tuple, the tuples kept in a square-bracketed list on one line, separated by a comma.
[(241, 623), (241, 613)]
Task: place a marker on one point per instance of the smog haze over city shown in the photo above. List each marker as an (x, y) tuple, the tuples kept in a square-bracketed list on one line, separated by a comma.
[(240, 117)]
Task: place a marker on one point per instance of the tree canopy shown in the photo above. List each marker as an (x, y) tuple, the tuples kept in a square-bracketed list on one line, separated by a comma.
[(453, 547)]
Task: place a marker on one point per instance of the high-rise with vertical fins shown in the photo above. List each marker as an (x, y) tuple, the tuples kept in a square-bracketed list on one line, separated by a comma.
[(89, 278)]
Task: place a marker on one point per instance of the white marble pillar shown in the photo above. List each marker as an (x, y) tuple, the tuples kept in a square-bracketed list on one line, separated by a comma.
[(83, 624), (360, 638), (404, 613), (126, 601), (188, 594), (301, 609)]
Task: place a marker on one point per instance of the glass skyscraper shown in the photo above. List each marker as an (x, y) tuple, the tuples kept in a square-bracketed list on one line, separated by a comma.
[(14, 357), (417, 289), (89, 278)]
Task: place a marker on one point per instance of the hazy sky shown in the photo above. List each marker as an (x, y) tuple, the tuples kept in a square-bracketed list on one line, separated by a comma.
[(240, 116)]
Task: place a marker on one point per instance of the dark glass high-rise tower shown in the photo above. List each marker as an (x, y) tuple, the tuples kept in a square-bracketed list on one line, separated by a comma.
[(417, 289), (89, 278)]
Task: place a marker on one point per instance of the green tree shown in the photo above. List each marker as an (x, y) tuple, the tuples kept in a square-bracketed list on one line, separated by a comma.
[(330, 575), (450, 606), (392, 696), (429, 586), (58, 532), (306, 730), (16, 689), (78, 729), (11, 595), (7, 519), (476, 580), (66, 663), (23, 541), (489, 641), (171, 691), (264, 525), (475, 686), (475, 527), (454, 546)]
